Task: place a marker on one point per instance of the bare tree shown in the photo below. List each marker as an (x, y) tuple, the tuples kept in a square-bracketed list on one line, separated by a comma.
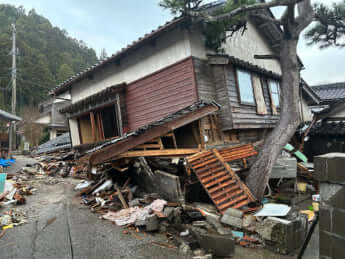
[(292, 24), (31, 130)]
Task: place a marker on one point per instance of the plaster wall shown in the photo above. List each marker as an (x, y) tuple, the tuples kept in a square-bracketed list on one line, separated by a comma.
[(249, 44), (168, 49)]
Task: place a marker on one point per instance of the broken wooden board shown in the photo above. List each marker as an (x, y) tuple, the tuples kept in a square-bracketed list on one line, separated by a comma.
[(222, 184)]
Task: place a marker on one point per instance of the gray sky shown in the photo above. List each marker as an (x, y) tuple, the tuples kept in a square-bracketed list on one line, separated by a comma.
[(113, 24)]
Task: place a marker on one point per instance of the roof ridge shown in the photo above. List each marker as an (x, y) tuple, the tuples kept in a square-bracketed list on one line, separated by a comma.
[(123, 50), (328, 86)]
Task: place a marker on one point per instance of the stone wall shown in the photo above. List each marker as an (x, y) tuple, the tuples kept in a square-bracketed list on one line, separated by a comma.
[(330, 171)]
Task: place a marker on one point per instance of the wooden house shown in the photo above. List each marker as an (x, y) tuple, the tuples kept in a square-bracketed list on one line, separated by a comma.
[(170, 69)]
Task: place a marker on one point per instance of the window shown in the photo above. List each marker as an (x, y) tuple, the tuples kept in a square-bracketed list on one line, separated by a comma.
[(275, 92), (99, 125), (245, 87)]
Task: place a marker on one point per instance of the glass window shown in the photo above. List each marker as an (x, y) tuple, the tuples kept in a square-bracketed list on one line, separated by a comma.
[(245, 86), (275, 92)]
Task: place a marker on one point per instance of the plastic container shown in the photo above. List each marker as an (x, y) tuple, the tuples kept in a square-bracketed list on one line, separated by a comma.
[(2, 182), (301, 187), (315, 206)]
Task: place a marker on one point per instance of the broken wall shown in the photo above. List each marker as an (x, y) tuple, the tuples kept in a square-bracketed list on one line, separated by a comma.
[(329, 170)]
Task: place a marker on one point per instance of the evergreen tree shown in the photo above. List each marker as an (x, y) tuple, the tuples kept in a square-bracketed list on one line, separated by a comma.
[(329, 29), (64, 72), (47, 56)]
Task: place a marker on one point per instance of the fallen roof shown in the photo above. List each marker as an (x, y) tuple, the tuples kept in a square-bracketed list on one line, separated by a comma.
[(59, 143), (330, 92), (328, 128), (120, 54), (8, 116), (112, 148)]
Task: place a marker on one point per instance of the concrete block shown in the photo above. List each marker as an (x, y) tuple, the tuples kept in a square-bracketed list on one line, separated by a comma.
[(151, 223), (330, 168), (282, 237), (338, 223), (331, 246), (231, 221), (234, 213), (332, 195), (325, 219), (217, 245), (166, 185)]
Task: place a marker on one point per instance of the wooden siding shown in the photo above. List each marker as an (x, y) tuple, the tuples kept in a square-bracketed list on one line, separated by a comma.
[(245, 116), (160, 94), (211, 86)]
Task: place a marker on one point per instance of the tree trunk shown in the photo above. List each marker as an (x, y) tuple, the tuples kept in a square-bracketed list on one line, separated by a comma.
[(289, 120)]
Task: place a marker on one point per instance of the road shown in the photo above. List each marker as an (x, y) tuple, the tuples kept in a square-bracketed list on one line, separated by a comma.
[(59, 226)]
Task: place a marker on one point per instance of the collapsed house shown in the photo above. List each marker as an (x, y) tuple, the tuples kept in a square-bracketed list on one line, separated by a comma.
[(174, 118), (169, 69)]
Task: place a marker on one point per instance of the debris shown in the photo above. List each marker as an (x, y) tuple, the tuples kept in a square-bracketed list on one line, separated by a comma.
[(82, 185), (232, 217), (217, 245), (104, 187), (222, 184), (130, 215), (272, 209), (185, 233)]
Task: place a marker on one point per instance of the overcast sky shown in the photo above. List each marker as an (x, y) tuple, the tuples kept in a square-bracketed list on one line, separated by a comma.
[(114, 24)]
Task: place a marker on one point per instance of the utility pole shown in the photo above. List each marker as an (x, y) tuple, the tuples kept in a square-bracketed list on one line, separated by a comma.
[(13, 137)]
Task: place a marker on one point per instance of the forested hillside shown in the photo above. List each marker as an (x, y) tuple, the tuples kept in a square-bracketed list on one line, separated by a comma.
[(46, 56)]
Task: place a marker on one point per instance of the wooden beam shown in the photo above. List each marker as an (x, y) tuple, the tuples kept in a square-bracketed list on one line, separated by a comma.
[(159, 153), (93, 125), (110, 152)]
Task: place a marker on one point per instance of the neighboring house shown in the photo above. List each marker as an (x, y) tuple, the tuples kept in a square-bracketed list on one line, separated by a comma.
[(5, 118), (52, 118), (170, 69), (328, 132)]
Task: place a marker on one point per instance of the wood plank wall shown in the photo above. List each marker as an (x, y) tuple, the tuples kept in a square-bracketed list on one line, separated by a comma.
[(210, 85), (160, 94), (245, 116)]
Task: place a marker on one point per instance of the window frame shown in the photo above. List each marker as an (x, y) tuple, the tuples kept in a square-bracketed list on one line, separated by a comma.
[(237, 70), (271, 92), (96, 121)]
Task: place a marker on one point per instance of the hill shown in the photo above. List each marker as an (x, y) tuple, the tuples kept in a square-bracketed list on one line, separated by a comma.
[(47, 56)]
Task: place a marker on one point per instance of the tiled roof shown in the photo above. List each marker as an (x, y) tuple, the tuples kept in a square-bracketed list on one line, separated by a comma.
[(146, 38), (59, 143), (329, 128), (166, 119), (330, 92)]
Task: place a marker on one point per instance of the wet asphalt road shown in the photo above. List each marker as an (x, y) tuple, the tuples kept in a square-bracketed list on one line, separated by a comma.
[(60, 227)]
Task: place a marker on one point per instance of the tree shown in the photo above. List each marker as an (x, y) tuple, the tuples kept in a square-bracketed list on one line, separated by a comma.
[(103, 54), (329, 27), (292, 23), (64, 73)]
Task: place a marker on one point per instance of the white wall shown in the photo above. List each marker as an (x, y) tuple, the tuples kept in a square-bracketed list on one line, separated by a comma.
[(305, 111), (251, 42), (52, 134), (170, 48), (44, 120)]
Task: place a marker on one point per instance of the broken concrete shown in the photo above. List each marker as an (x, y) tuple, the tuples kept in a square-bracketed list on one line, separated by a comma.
[(167, 185), (329, 171), (217, 245)]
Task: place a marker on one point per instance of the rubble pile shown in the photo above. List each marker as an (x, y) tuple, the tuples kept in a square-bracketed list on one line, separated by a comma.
[(145, 195)]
